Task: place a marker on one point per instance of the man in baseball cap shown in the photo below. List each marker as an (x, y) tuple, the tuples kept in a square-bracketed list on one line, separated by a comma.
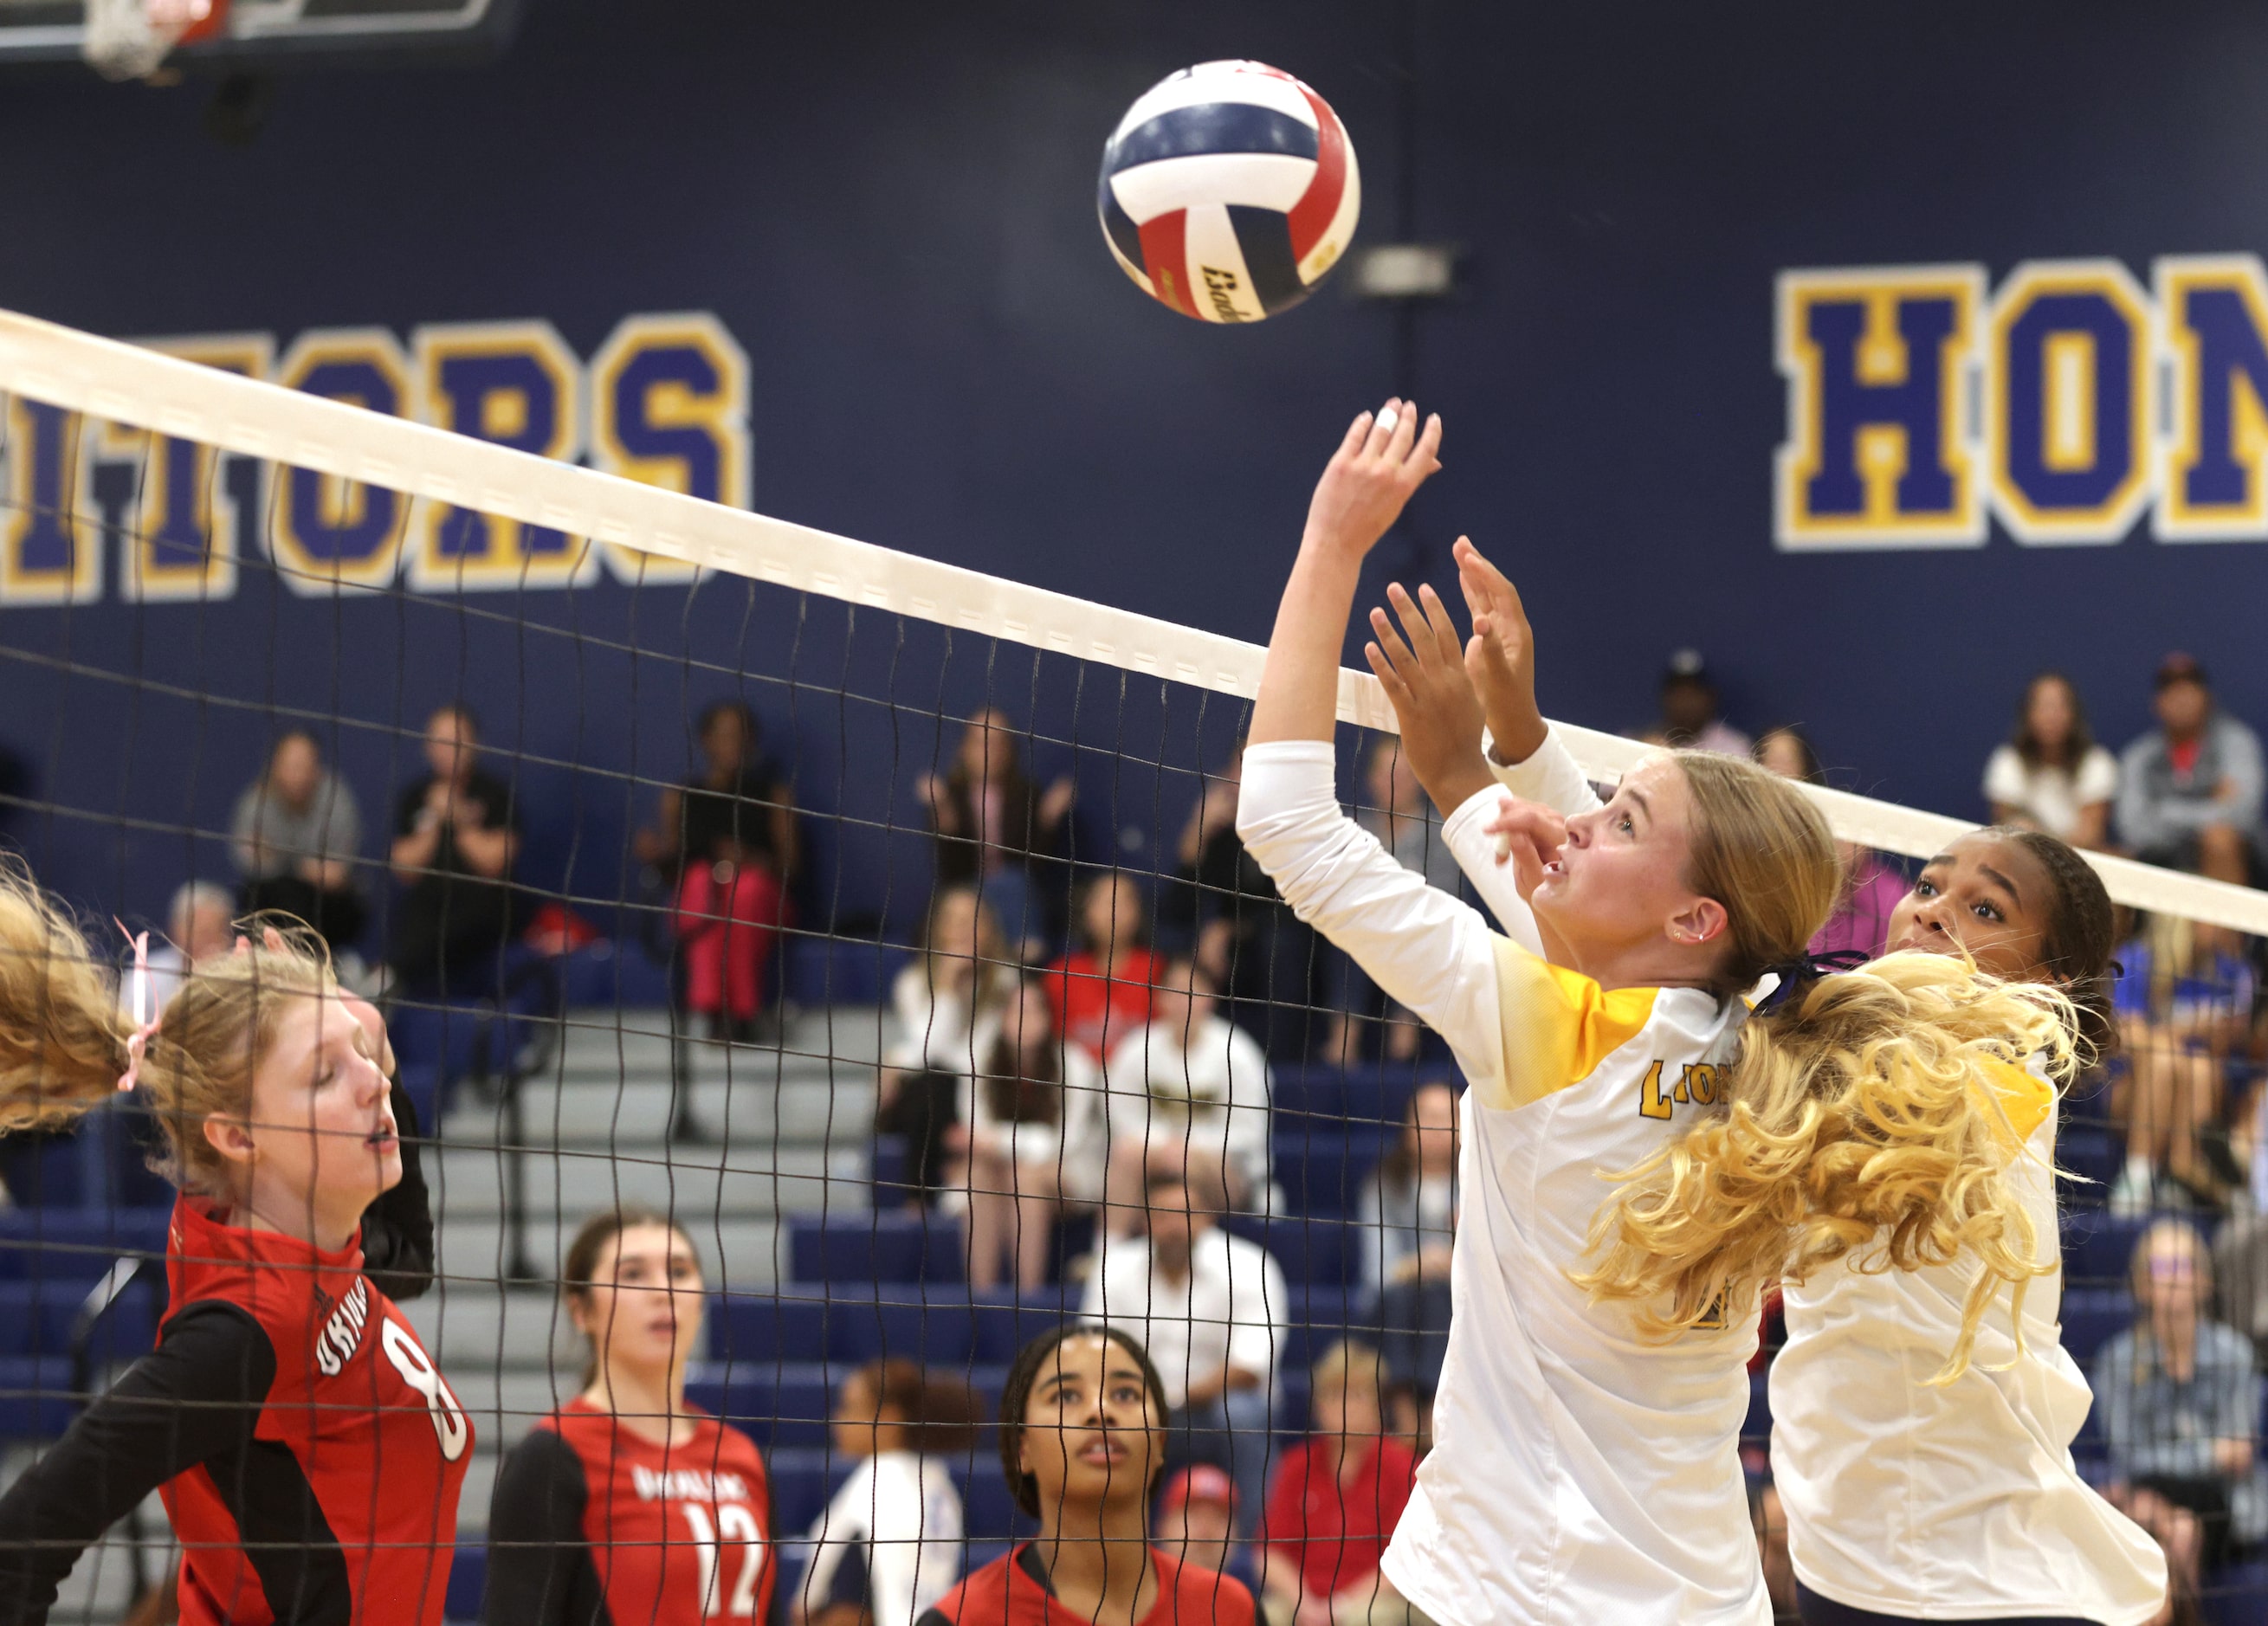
[(2189, 790)]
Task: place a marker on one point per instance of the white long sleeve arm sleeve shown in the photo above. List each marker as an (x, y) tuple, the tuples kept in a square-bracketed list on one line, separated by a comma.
[(1475, 851), (1426, 949)]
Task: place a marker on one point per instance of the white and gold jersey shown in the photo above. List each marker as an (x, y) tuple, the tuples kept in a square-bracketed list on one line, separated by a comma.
[(1932, 1501), (1582, 1473)]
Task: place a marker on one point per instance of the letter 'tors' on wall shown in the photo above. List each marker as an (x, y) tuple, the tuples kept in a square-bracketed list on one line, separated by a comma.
[(1921, 407), (91, 508)]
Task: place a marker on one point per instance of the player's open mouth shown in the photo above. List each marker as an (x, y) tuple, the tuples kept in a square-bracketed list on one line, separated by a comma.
[(381, 1138), (1103, 1452)]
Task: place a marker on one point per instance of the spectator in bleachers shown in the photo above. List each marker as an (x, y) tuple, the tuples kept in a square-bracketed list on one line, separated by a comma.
[(1188, 1091), (1030, 1142), (1409, 1208), (1690, 716), (1871, 887), (2184, 999), (1404, 819), (200, 923), (949, 1003), (888, 1546), (1082, 1439), (2050, 774), (2189, 790), (2179, 1397), (296, 837), (1336, 1499), (456, 835), (1251, 944), (726, 838), (1196, 1523), (991, 824), (1101, 989), (1211, 1308), (630, 1502), (1410, 1320)]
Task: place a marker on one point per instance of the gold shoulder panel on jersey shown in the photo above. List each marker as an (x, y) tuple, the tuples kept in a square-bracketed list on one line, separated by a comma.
[(1558, 1025)]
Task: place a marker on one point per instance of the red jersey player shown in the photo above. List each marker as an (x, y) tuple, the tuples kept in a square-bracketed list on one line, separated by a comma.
[(284, 1380), (1082, 1438), (628, 1506)]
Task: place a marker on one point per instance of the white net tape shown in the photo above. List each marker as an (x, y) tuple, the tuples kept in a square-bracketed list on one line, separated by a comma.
[(106, 380)]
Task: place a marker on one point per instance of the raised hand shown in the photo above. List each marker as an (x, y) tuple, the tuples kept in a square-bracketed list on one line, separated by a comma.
[(1424, 678), (1527, 838), (1500, 658), (1379, 465)]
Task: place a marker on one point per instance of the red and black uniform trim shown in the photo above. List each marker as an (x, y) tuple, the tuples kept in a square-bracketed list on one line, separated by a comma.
[(309, 1453), (593, 1525), (1014, 1590)]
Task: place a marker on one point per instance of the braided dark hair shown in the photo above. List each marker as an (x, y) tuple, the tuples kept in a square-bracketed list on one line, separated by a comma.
[(1016, 1393), (2080, 937)]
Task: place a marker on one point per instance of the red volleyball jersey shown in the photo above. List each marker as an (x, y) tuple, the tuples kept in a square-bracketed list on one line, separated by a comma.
[(677, 1535), (344, 1494), (1014, 1591)]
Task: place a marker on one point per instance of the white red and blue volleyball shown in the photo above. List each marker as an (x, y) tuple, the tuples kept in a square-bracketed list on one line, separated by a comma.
[(1229, 191)]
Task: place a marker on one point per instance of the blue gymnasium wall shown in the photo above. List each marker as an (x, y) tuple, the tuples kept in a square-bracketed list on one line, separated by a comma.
[(891, 206)]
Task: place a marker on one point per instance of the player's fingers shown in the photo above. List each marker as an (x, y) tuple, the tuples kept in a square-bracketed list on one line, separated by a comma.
[(1427, 456), (1357, 433), (1413, 622), (1382, 627), (1397, 692), (1383, 427), (1447, 644), (1406, 425)]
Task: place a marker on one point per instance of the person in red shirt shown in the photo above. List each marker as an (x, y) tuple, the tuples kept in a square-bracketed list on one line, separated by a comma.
[(1082, 1439), (284, 1377), (628, 1505), (1100, 990), (1335, 1498)]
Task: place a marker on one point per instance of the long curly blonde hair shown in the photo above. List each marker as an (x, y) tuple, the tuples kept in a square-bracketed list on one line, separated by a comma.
[(1859, 1118), (63, 1039)]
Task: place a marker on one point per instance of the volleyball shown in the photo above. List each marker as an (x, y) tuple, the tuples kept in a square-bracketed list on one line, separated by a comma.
[(1229, 191)]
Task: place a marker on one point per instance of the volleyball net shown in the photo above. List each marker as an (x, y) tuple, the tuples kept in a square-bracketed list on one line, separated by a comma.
[(763, 847)]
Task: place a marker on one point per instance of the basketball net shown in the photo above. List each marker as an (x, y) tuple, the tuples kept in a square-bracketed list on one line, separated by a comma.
[(130, 39)]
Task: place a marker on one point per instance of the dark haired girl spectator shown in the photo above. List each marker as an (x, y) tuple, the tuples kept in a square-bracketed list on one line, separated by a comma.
[(2050, 774), (2180, 1405), (629, 1503), (296, 837), (456, 835), (949, 1003), (1031, 1141), (991, 824), (728, 837), (1100, 989), (1082, 1438), (1409, 1203), (888, 1546), (1870, 887)]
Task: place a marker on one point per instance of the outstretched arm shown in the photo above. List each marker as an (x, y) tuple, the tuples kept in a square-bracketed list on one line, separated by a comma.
[(1379, 463)]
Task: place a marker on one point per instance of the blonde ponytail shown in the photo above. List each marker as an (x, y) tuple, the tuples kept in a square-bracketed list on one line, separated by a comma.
[(1859, 1119), (62, 1040)]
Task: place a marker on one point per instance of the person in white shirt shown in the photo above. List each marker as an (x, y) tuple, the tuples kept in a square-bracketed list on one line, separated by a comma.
[(2050, 774), (1906, 1498), (888, 1545), (1616, 1227), (1211, 1310), (200, 923), (1188, 1091)]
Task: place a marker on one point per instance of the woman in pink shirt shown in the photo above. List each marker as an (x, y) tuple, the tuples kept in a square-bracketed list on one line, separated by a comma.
[(1872, 888)]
